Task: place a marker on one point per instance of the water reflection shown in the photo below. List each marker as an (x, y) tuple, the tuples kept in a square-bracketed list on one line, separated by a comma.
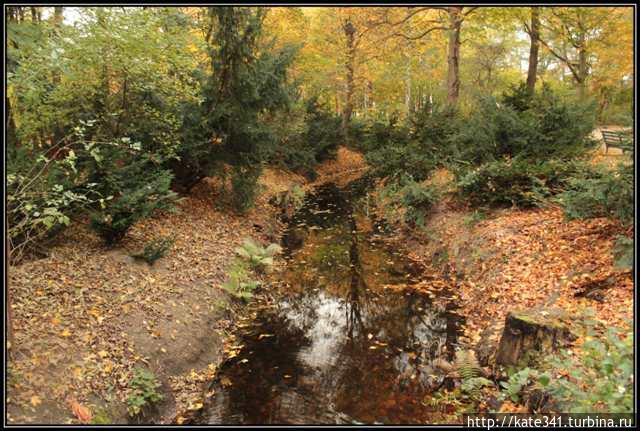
[(344, 349)]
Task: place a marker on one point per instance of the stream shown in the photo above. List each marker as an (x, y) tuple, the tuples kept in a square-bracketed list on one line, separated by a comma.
[(340, 346)]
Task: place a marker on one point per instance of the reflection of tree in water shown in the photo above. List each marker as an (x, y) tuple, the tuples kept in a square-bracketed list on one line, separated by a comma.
[(357, 287), (322, 332), (253, 396)]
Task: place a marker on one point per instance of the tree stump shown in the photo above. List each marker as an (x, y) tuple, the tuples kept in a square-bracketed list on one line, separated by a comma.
[(537, 330)]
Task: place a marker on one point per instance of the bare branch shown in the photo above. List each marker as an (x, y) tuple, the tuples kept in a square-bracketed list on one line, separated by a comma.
[(470, 11)]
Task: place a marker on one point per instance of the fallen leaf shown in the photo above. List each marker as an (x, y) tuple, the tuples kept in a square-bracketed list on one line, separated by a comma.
[(81, 412)]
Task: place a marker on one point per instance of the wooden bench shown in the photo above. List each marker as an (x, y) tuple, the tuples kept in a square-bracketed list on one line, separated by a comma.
[(621, 140)]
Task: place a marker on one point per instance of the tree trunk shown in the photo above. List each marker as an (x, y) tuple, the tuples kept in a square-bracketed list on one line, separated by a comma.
[(102, 101), (10, 337), (407, 93), (582, 68), (10, 124), (453, 73), (58, 133), (349, 31), (534, 35)]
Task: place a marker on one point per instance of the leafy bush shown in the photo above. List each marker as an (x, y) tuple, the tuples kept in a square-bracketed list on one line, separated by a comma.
[(518, 381), (390, 151), (144, 385), (139, 197), (154, 250), (605, 194), (101, 417), (239, 283), (248, 81), (258, 257), (595, 377), (412, 198), (45, 189), (539, 127), (323, 130), (598, 377), (516, 182), (401, 159), (244, 185), (433, 127)]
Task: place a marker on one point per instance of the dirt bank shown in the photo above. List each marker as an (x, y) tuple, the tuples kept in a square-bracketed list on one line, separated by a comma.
[(86, 316), (516, 260)]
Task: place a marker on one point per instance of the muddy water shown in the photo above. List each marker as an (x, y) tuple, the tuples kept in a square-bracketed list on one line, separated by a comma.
[(342, 345)]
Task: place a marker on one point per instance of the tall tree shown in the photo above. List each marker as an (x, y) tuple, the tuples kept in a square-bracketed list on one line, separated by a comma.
[(573, 33), (448, 19), (58, 18), (350, 61), (533, 30), (453, 57)]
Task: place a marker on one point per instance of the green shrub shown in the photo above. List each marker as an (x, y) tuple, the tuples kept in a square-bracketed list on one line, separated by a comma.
[(154, 250), (43, 194), (239, 283), (598, 377), (260, 258), (401, 159), (144, 391), (539, 127), (413, 198), (101, 417), (433, 127), (516, 182), (323, 131), (604, 194), (140, 196), (309, 134), (390, 151), (518, 381), (246, 83), (244, 187), (595, 377)]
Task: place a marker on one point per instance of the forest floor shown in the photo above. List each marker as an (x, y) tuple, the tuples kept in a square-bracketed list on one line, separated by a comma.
[(85, 316), (519, 260), (513, 260)]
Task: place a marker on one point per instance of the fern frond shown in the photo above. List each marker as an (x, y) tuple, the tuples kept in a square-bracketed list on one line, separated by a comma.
[(467, 364)]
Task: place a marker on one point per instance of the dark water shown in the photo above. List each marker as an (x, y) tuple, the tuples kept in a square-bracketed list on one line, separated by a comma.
[(338, 347)]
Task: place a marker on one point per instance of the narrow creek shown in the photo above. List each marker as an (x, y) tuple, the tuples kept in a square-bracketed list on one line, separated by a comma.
[(340, 346)]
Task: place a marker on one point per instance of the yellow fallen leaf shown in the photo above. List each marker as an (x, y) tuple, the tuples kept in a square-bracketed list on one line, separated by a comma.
[(103, 353), (77, 373), (196, 406), (66, 333), (35, 401)]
